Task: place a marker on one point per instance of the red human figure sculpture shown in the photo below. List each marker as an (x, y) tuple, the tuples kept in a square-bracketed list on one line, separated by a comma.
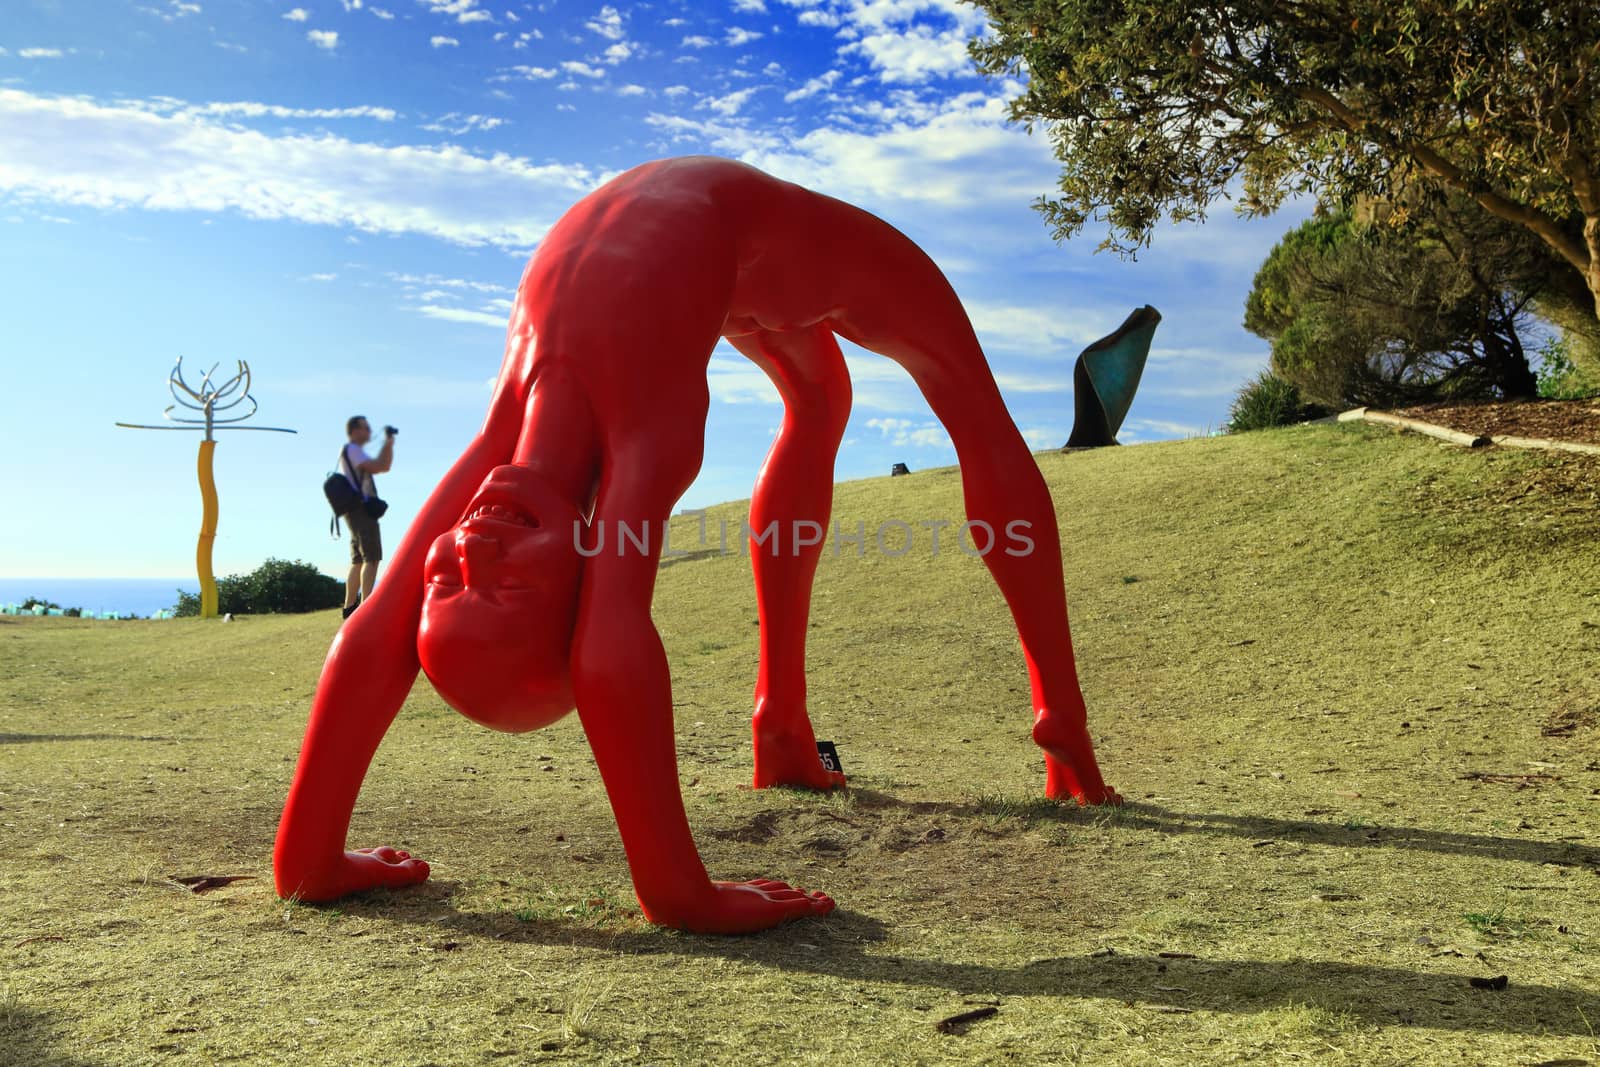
[(518, 593)]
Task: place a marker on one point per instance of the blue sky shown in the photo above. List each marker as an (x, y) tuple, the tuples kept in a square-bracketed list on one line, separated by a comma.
[(344, 193)]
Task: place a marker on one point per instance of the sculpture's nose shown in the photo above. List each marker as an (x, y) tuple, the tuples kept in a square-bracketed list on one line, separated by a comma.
[(476, 553)]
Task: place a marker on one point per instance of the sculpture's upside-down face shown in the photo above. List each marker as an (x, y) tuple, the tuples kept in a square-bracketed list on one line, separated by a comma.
[(500, 605)]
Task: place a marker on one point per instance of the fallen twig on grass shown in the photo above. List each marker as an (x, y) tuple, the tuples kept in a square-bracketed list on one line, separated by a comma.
[(38, 937), (959, 1023), (199, 883)]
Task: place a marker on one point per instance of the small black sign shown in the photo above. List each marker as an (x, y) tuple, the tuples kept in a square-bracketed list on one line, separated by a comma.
[(829, 756)]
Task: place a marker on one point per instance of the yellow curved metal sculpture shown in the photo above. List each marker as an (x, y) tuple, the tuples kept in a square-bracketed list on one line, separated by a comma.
[(208, 399), (208, 531)]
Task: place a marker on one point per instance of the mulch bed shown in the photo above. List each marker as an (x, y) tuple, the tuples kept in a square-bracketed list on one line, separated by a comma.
[(1556, 420)]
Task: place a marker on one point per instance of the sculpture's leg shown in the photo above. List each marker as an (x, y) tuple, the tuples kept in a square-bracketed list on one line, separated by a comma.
[(916, 319), (789, 516), (1005, 492)]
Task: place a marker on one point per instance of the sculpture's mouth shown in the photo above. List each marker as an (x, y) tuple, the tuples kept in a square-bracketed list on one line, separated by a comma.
[(495, 512), (499, 504)]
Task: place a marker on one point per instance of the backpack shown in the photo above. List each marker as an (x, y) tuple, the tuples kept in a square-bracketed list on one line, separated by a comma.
[(343, 497)]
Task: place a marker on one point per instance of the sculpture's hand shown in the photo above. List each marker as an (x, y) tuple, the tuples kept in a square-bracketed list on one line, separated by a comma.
[(357, 872), (745, 907)]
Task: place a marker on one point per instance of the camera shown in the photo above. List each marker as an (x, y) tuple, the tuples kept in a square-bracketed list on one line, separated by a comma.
[(390, 431)]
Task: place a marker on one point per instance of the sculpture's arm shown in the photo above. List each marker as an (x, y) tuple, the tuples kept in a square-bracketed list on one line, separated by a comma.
[(623, 688), (368, 673)]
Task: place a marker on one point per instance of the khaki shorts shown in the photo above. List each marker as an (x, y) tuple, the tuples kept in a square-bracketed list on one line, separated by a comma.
[(366, 543)]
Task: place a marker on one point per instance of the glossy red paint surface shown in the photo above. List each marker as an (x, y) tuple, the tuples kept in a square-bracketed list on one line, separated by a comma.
[(513, 590)]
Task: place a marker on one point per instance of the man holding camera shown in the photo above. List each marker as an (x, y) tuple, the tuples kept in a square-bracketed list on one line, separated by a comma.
[(366, 543)]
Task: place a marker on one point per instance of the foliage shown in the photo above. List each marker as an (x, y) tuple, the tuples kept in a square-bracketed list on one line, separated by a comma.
[(1157, 108), (50, 605), (276, 587), (1373, 312), (1559, 377), (1267, 401)]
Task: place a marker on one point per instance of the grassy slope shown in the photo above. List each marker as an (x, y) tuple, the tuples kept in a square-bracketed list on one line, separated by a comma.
[(1295, 646)]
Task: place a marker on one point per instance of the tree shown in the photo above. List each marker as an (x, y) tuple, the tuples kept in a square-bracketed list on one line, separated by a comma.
[(1158, 107), (277, 586), (1364, 311)]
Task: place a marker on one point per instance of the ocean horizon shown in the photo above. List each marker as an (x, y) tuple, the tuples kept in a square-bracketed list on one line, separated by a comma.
[(124, 596)]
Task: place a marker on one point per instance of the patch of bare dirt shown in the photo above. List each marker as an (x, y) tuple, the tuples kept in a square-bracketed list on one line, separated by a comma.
[(1555, 420)]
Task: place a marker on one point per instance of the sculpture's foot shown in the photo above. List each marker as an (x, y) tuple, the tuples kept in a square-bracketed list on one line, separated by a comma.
[(1071, 772), (791, 759), (743, 908), (355, 872)]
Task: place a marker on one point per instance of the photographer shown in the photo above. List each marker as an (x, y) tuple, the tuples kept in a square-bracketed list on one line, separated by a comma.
[(366, 543)]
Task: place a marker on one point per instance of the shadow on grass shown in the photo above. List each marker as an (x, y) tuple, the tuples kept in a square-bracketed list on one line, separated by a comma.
[(25, 739), (842, 946), (26, 1037), (1256, 829)]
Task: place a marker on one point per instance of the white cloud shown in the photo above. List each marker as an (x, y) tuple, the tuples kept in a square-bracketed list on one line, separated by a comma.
[(903, 433), (325, 39), (297, 14), (351, 5), (463, 11), (413, 281), (674, 22), (1165, 427), (1044, 436), (40, 53), (573, 66), (956, 153), (455, 124), (733, 379), (381, 13), (1057, 332), (619, 52), (608, 24), (750, 7), (728, 104), (527, 73), (738, 35), (914, 54), (675, 90), (812, 87), (697, 41), (476, 318), (444, 42), (117, 155), (632, 90), (175, 9), (251, 109), (325, 277), (818, 17)]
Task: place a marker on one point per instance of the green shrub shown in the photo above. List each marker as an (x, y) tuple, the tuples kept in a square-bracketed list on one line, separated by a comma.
[(276, 587), (1266, 401), (1560, 377)]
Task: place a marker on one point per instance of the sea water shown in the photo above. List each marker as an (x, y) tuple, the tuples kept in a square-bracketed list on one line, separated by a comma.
[(121, 596)]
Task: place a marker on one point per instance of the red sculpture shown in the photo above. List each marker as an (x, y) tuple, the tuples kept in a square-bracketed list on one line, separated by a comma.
[(523, 588)]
